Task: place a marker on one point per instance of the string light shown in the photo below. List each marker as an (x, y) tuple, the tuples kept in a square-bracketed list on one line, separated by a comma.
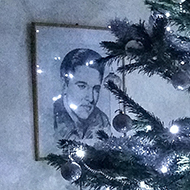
[(80, 152), (164, 169), (167, 14), (174, 129), (56, 97)]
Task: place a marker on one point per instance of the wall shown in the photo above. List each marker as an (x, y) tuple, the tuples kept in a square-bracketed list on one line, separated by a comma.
[(17, 166)]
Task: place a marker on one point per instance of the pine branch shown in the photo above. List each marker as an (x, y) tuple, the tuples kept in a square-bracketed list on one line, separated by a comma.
[(134, 107), (179, 12)]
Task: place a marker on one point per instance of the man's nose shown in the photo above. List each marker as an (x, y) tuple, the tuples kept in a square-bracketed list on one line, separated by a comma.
[(90, 95)]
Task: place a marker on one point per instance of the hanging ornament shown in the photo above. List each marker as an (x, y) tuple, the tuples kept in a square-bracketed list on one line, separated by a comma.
[(180, 80), (113, 78), (122, 122), (71, 171), (134, 45)]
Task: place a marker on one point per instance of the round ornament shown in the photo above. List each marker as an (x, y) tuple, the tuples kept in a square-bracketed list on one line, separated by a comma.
[(122, 123), (180, 80), (71, 171), (114, 78)]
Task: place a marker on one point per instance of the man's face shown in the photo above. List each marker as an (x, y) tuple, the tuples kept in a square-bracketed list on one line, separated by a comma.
[(82, 91)]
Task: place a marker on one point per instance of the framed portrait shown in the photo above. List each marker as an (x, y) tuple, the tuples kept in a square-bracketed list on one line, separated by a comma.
[(50, 45)]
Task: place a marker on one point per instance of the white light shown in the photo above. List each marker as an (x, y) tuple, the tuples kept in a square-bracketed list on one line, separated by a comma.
[(164, 169), (37, 66), (107, 188), (91, 62), (70, 75), (66, 75), (174, 129), (180, 88), (168, 28), (142, 184), (182, 62), (39, 71), (55, 58), (80, 153), (109, 26), (73, 106), (167, 14), (37, 31), (56, 97), (148, 128), (87, 63)]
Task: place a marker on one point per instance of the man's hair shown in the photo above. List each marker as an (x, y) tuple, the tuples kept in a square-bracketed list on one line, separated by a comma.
[(79, 57)]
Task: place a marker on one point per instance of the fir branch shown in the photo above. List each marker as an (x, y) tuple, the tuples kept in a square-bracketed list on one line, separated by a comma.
[(179, 12), (55, 160), (135, 108)]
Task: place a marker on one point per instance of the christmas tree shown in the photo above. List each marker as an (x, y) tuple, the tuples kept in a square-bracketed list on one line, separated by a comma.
[(155, 157)]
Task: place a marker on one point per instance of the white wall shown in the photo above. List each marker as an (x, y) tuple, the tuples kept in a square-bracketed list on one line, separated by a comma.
[(18, 169)]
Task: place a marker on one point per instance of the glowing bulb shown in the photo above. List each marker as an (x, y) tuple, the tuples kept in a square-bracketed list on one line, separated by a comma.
[(91, 62), (80, 153), (182, 62), (142, 184), (70, 75), (164, 169), (73, 106), (87, 63), (174, 129), (66, 75), (148, 128), (56, 97), (109, 26), (37, 31), (168, 28), (167, 14), (55, 58), (180, 88), (39, 71)]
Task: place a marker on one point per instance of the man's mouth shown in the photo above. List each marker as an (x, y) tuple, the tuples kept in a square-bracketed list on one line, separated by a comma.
[(86, 107)]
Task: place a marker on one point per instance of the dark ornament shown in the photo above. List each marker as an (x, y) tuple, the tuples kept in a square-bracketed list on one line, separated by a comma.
[(113, 78), (122, 123), (181, 80), (71, 171)]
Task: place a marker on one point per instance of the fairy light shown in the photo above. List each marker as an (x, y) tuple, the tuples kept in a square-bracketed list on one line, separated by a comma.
[(80, 152), (167, 14), (148, 128), (164, 169), (168, 28), (56, 97), (182, 62), (174, 129)]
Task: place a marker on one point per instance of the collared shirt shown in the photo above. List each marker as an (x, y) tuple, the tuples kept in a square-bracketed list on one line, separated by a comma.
[(66, 128)]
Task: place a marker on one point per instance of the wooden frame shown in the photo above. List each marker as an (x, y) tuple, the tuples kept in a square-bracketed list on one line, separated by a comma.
[(50, 43)]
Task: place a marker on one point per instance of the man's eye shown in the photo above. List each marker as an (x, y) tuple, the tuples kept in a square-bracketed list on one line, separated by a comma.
[(81, 86), (97, 88)]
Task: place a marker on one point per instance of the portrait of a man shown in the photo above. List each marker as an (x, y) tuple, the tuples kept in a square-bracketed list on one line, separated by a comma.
[(76, 115)]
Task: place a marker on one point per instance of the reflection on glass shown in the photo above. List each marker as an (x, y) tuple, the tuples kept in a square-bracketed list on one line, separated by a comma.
[(56, 97), (73, 106)]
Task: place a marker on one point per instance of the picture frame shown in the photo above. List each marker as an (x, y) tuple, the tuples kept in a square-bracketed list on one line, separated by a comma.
[(50, 43)]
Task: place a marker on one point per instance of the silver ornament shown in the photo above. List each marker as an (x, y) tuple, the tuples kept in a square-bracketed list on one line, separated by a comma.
[(114, 78), (180, 80), (122, 123), (71, 171)]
